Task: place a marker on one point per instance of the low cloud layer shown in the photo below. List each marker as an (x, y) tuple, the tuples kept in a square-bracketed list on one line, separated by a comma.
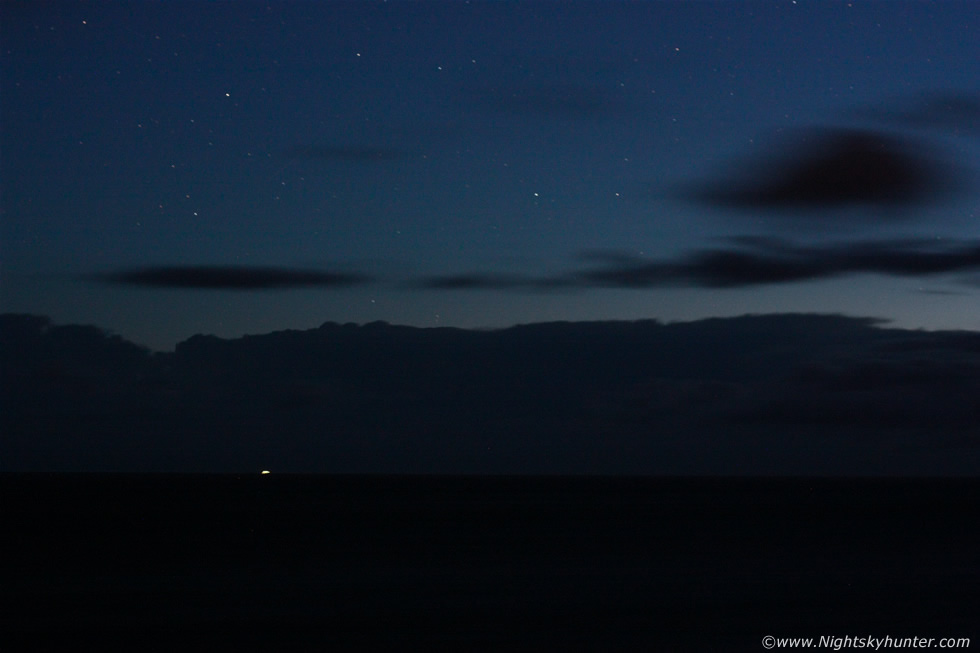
[(230, 277), (776, 394), (744, 262)]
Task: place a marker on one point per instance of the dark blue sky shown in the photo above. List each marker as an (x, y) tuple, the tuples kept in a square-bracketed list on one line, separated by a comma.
[(179, 168)]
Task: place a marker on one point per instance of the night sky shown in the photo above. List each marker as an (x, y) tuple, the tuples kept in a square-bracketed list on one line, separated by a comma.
[(170, 169), (626, 325)]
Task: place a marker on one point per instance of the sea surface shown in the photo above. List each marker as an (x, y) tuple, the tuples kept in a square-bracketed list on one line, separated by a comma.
[(306, 562)]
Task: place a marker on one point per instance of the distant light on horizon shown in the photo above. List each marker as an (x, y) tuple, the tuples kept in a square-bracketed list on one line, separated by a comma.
[(266, 471)]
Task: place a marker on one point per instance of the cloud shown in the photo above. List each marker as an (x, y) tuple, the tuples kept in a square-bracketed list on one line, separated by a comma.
[(710, 269), (947, 293), (754, 394), (747, 261), (926, 382), (835, 168), (757, 261), (485, 281), (230, 277)]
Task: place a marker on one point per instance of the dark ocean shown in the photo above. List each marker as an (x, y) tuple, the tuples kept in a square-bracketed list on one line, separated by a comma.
[(305, 562)]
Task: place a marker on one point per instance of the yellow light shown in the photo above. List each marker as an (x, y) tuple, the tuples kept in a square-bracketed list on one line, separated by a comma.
[(265, 471)]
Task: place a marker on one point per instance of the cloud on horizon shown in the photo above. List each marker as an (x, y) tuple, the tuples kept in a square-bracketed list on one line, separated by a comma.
[(765, 394), (227, 277)]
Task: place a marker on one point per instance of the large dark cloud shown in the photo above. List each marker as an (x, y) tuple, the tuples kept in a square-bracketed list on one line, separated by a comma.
[(230, 277), (823, 169), (756, 394)]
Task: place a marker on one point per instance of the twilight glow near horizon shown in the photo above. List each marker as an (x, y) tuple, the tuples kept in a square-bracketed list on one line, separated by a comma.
[(172, 169)]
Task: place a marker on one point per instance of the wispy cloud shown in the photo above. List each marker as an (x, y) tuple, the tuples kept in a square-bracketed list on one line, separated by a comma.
[(489, 281), (743, 262), (230, 277), (746, 261), (757, 261)]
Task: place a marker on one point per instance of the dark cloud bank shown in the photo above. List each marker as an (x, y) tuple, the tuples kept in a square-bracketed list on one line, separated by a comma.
[(777, 394), (225, 277)]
